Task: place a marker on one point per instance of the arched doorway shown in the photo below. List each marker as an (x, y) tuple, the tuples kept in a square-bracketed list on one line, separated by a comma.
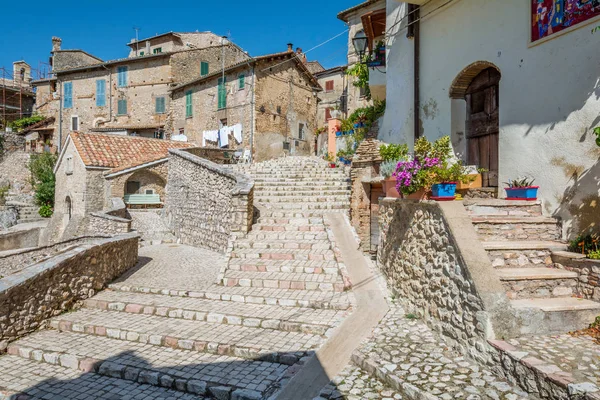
[(478, 85)]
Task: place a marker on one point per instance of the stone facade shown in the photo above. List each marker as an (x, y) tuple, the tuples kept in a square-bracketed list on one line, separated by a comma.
[(54, 286), (441, 278), (332, 98), (113, 221), (588, 285), (151, 178), (205, 202)]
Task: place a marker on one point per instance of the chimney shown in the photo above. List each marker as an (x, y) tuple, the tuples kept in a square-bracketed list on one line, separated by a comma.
[(290, 47), (147, 47), (56, 42), (300, 55)]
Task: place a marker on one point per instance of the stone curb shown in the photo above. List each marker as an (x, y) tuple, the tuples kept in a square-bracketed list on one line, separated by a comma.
[(539, 376), (212, 317), (250, 353), (235, 298), (338, 257), (125, 372)]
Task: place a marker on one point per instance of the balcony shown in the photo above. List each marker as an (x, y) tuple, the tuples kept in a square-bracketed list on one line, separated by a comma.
[(377, 69)]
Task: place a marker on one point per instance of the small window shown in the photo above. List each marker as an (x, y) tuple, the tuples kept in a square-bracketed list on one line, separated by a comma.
[(329, 86), (141, 53), (100, 93), (278, 109), (74, 123), (242, 81), (362, 92), (203, 68), (69, 165), (301, 131), (149, 191), (157, 50), (160, 105), (68, 95), (188, 104), (122, 76), (122, 107)]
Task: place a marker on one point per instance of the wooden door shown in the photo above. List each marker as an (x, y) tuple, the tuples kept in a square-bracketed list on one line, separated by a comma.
[(483, 125)]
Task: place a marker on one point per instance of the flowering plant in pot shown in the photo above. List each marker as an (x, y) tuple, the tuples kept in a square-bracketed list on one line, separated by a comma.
[(414, 177), (331, 159), (447, 176), (391, 155), (521, 189)]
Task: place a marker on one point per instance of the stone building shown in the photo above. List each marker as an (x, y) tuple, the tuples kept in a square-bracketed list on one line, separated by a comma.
[(16, 94), (93, 168), (272, 97), (127, 96), (334, 82)]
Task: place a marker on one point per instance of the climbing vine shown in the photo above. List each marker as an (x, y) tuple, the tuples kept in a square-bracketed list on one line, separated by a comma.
[(361, 72)]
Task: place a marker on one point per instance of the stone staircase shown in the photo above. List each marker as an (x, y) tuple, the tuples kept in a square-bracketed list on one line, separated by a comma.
[(519, 241), (276, 302)]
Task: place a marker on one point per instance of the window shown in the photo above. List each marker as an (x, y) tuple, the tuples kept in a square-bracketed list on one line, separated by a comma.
[(362, 92), (74, 123), (68, 95), (157, 50), (141, 53), (301, 131), (160, 105), (122, 107), (188, 104), (203, 68), (222, 93), (149, 191), (327, 114), (101, 93), (122, 76), (69, 165), (242, 81), (329, 86), (133, 187)]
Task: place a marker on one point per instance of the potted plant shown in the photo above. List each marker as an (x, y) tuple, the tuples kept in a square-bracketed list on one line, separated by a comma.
[(447, 176), (331, 159), (391, 155), (521, 189)]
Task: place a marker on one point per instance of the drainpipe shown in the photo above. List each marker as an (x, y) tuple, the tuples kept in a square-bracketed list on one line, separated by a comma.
[(60, 112), (417, 70)]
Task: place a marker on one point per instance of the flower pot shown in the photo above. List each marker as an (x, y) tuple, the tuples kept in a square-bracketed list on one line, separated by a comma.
[(476, 184), (421, 194), (523, 193), (444, 190), (332, 165), (338, 133), (389, 187)]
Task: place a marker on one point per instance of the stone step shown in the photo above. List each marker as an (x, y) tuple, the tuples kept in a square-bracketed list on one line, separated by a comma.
[(288, 225), (285, 254), (494, 228), (554, 316), (297, 266), (270, 218), (184, 370), (333, 184), (30, 220), (286, 236), (284, 244), (276, 192), (527, 283), (289, 319), (302, 199), (500, 207), (27, 379), (201, 336), (282, 297), (286, 280), (309, 206), (270, 214), (521, 253), (266, 189)]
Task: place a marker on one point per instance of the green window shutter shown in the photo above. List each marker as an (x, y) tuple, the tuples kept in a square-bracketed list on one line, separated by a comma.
[(122, 76), (160, 105), (122, 107), (157, 50), (242, 79), (141, 53), (203, 68), (101, 93), (68, 95), (188, 104), (222, 93)]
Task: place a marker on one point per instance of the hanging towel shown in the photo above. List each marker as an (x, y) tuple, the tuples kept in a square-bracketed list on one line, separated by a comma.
[(237, 132), (224, 137), (204, 139)]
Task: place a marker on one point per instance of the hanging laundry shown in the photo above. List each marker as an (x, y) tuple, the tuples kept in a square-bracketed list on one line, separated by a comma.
[(237, 133), (224, 137)]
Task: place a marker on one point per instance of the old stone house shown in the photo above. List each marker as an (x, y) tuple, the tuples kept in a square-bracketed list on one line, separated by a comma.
[(272, 99), (93, 168), (334, 82), (127, 96), (16, 94), (516, 89)]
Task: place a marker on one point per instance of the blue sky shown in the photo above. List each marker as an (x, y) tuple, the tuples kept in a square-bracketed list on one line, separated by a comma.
[(102, 28)]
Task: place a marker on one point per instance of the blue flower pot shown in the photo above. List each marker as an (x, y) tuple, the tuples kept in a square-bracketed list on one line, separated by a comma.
[(342, 159), (525, 193), (357, 125), (338, 133), (444, 189)]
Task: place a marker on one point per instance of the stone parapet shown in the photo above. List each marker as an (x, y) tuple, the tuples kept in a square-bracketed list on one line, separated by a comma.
[(113, 221), (57, 284), (206, 202), (588, 270)]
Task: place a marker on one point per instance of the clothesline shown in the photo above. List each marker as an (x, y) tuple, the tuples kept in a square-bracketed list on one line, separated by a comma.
[(222, 135)]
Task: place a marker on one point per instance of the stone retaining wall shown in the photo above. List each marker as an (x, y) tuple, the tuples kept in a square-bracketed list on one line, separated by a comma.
[(439, 271), (588, 270), (54, 286), (20, 238), (113, 221), (206, 202)]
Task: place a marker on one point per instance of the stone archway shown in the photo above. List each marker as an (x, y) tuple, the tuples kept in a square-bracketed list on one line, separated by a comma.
[(478, 86), (145, 182)]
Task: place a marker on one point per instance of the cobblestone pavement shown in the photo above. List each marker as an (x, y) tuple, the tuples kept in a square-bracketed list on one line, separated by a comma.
[(355, 384), (408, 356), (174, 266)]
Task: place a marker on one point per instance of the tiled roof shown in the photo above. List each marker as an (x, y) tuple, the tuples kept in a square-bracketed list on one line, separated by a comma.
[(344, 14), (120, 152)]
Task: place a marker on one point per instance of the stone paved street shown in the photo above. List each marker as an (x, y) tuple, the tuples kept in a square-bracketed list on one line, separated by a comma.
[(355, 384)]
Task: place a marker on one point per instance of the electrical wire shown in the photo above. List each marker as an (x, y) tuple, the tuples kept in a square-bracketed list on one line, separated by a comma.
[(416, 20)]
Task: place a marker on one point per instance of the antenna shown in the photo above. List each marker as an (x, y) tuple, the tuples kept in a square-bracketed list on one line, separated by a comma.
[(137, 30)]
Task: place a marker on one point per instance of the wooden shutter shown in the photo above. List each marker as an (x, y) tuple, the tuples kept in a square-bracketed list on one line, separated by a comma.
[(160, 105), (100, 93), (222, 93), (203, 68), (242, 81), (122, 107), (188, 104), (327, 114), (329, 86), (68, 94), (122, 76)]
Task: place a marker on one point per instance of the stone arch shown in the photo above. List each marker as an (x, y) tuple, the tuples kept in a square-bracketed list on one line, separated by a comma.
[(460, 85), (145, 180)]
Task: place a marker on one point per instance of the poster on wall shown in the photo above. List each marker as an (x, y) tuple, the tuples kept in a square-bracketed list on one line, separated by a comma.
[(550, 17)]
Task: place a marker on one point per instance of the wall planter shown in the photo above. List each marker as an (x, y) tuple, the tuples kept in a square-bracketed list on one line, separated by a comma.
[(476, 184), (444, 191), (522, 193), (389, 187)]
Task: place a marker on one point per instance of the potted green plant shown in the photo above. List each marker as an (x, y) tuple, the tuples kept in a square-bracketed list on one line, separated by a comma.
[(447, 177), (331, 159), (521, 189), (391, 155)]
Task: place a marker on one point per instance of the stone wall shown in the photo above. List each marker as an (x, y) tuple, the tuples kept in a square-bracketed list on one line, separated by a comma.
[(113, 221), (588, 270), (436, 266), (17, 238), (206, 202), (54, 286), (153, 177)]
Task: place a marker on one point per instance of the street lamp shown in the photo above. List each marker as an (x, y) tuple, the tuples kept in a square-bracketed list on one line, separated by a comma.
[(360, 42)]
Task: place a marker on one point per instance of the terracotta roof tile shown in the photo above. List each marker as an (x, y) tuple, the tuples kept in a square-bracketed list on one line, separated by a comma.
[(120, 152)]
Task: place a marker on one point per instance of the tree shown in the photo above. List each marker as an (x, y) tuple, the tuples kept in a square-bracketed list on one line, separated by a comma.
[(43, 181)]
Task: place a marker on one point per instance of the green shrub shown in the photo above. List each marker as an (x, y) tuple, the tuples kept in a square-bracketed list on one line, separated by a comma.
[(23, 123), (3, 192), (584, 244), (393, 152), (594, 255), (46, 211), (43, 180)]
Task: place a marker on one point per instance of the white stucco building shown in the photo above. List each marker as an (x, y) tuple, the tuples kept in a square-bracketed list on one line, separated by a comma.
[(516, 85)]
